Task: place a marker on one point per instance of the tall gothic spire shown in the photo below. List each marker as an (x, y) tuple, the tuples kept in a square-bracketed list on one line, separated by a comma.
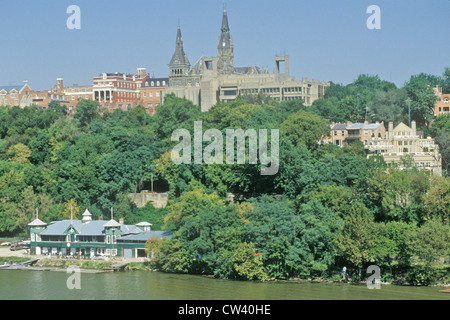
[(179, 65), (225, 47)]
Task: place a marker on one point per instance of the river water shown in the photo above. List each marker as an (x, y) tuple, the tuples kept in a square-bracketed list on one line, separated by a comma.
[(138, 285)]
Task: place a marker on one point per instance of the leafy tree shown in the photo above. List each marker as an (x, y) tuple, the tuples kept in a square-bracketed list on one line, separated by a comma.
[(55, 106), (249, 265), (297, 174), (357, 236), (388, 106), (420, 90), (173, 257), (271, 227), (150, 214), (440, 130), (25, 210), (389, 250), (305, 127), (429, 241), (71, 210), (86, 111), (318, 225), (19, 153), (437, 200), (446, 80), (189, 203), (174, 113), (334, 197), (443, 140), (40, 147), (152, 247)]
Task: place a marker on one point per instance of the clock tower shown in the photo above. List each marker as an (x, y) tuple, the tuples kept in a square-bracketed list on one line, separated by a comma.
[(225, 48)]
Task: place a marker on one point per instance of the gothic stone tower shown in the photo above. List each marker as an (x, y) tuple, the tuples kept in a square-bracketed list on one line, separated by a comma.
[(179, 65), (225, 48)]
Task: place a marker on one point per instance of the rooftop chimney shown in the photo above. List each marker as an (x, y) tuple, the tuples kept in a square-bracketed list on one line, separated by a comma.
[(390, 130)]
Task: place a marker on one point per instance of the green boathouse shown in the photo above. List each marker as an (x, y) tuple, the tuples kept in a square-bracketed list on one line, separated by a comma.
[(91, 238)]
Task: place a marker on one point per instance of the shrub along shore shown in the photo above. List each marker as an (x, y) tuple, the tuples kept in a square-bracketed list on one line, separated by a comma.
[(439, 270)]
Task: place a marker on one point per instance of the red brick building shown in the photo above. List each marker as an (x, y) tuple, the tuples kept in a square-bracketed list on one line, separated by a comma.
[(152, 92), (118, 90)]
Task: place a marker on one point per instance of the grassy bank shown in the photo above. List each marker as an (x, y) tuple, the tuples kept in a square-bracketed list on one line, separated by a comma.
[(82, 264), (13, 259), (93, 265)]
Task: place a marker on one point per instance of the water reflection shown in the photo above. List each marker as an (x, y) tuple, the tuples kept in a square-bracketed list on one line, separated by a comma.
[(141, 285)]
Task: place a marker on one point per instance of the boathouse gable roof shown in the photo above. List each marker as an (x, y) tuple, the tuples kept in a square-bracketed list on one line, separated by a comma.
[(93, 228)]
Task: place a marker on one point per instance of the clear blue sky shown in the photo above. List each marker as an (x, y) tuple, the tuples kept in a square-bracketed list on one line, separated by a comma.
[(325, 39)]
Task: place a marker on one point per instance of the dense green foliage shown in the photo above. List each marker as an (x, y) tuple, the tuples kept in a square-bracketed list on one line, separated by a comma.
[(327, 207)]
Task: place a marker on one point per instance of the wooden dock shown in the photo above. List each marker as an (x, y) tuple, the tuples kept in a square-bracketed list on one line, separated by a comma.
[(29, 262), (116, 267)]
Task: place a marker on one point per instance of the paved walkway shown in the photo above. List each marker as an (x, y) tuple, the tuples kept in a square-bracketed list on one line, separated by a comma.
[(5, 252)]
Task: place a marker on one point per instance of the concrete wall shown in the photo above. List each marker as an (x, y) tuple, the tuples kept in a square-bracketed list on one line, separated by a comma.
[(159, 200)]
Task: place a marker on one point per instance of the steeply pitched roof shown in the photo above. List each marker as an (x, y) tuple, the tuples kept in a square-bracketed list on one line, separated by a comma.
[(91, 228), (112, 223), (179, 57), (339, 126), (37, 222), (402, 127), (225, 38), (10, 88)]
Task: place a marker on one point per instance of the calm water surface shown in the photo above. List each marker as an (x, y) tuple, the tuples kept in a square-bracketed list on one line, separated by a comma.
[(137, 285)]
